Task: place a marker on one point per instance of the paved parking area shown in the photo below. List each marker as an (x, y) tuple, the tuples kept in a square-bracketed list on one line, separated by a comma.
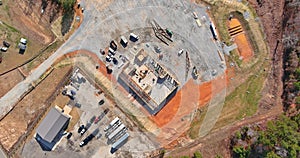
[(88, 97)]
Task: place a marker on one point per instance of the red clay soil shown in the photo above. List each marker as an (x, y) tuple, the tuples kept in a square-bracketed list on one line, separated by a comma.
[(241, 40), (94, 57), (78, 12), (8, 81), (182, 100), (189, 95), (205, 93)]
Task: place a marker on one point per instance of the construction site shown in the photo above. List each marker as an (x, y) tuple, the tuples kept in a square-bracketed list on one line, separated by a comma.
[(128, 82)]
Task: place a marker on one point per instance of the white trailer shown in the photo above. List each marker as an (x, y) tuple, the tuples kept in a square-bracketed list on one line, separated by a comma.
[(124, 41), (118, 143), (114, 121), (112, 128), (115, 132), (133, 36)]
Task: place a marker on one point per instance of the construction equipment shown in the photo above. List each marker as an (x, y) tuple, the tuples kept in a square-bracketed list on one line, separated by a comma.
[(169, 32), (160, 33), (195, 72)]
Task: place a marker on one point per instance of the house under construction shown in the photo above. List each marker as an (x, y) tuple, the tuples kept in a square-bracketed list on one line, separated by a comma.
[(151, 82)]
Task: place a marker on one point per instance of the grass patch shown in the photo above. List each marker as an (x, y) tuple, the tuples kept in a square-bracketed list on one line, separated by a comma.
[(12, 29), (6, 8), (236, 57), (196, 123), (43, 54), (75, 118), (243, 101)]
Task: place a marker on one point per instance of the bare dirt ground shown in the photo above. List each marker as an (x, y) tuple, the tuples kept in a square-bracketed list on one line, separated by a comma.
[(29, 14), (217, 142), (270, 13), (15, 124), (24, 19), (8, 81), (241, 40)]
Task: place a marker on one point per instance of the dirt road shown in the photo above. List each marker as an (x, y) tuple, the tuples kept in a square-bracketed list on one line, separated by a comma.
[(217, 142)]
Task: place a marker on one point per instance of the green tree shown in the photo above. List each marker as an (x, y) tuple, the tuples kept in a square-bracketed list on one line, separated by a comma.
[(297, 85), (240, 152), (67, 4), (298, 100), (238, 135), (272, 155), (197, 154), (218, 156), (281, 133)]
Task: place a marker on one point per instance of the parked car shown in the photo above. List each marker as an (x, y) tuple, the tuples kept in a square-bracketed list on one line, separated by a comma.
[(80, 128), (92, 119), (106, 111), (69, 135), (6, 44), (101, 102), (96, 120), (83, 131), (3, 49), (115, 61)]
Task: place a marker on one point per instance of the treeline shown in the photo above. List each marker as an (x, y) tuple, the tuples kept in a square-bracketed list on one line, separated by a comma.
[(280, 138), (291, 57), (68, 14), (67, 4)]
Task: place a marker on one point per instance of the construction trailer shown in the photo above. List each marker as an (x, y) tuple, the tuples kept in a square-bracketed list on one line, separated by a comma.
[(113, 122), (124, 41), (120, 142), (115, 132), (117, 137), (133, 37), (111, 129)]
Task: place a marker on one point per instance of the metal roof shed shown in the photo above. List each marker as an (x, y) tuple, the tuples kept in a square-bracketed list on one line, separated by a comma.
[(52, 125)]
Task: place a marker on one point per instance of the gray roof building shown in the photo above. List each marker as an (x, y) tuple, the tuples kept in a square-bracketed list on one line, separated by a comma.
[(52, 125)]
